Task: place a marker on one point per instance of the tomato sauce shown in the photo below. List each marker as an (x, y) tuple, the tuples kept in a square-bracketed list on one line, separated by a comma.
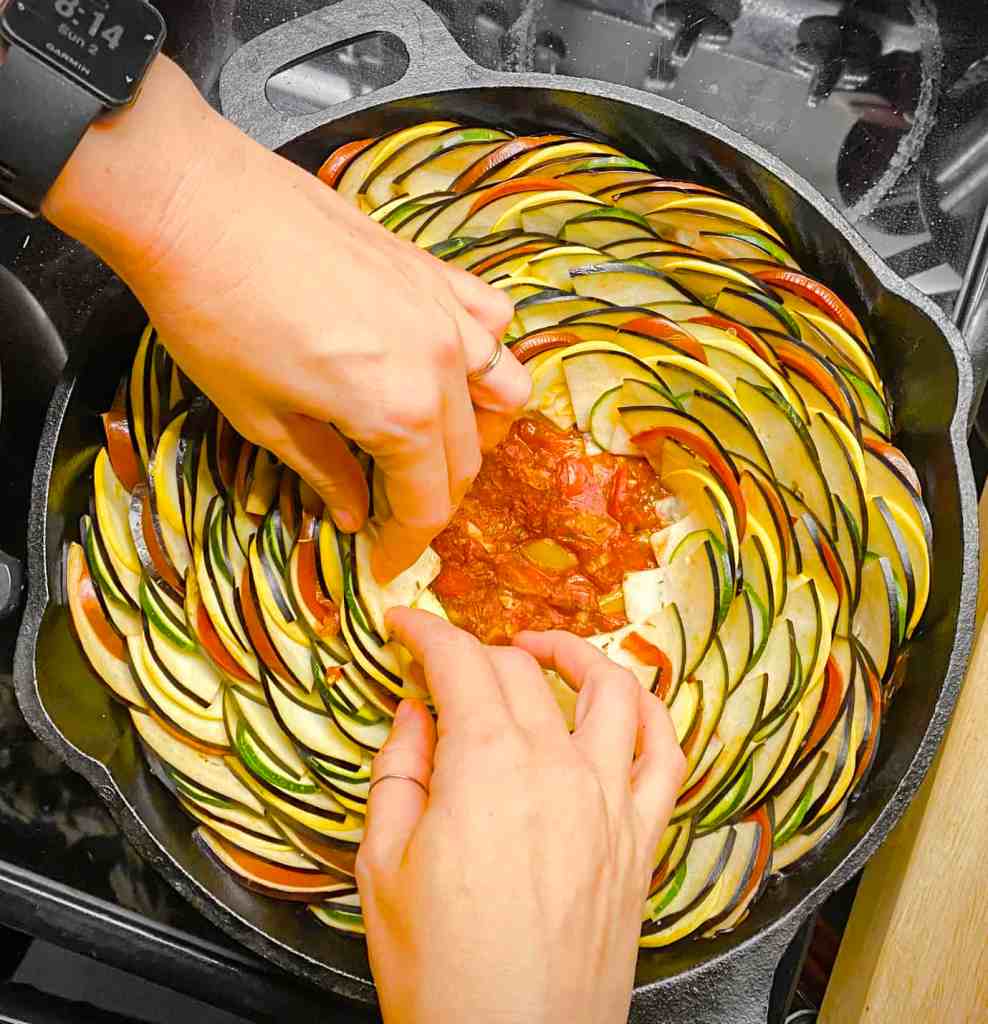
[(537, 493)]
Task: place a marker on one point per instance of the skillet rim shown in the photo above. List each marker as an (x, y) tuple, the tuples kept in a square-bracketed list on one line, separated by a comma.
[(768, 941)]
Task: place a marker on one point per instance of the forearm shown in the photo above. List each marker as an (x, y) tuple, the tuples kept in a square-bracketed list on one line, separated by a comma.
[(139, 170)]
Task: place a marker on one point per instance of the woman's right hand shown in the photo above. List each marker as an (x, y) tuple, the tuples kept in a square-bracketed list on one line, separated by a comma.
[(299, 316), (507, 885)]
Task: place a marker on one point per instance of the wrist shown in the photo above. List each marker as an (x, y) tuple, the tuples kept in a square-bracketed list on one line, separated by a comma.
[(136, 166)]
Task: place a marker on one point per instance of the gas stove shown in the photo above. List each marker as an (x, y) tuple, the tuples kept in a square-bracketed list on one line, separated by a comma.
[(881, 104)]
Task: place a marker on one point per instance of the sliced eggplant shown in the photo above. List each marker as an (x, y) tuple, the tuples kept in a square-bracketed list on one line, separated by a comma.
[(590, 373), (209, 770)]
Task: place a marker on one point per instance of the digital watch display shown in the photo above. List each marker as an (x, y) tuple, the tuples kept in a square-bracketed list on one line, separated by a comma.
[(105, 45), (68, 61)]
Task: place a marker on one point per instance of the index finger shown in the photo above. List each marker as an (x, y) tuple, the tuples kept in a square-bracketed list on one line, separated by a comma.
[(608, 711), (570, 656), (460, 676)]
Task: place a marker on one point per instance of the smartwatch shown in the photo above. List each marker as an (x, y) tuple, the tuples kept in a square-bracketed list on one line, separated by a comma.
[(67, 62)]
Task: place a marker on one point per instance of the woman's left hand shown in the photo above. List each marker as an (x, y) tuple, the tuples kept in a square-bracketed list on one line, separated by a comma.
[(513, 890)]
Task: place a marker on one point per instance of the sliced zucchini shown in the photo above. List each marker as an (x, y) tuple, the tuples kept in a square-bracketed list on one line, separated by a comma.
[(109, 664), (314, 730), (590, 373)]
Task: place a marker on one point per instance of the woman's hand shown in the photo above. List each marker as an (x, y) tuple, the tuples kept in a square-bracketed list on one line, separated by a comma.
[(513, 891), (295, 313)]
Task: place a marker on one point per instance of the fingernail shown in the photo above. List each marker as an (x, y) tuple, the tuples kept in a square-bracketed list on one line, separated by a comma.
[(404, 710), (345, 520)]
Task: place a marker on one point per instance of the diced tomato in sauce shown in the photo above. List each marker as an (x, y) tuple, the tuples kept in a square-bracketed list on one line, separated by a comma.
[(539, 483)]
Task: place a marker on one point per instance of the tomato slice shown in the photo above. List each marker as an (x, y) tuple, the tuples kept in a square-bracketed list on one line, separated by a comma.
[(159, 560), (210, 640), (791, 356), (255, 627), (120, 448), (644, 650), (740, 331), (513, 186), (498, 257), (818, 294), (891, 454), (320, 605), (335, 856), (486, 164), (765, 844), (338, 161), (530, 346), (832, 563), (663, 329), (269, 873), (96, 617), (652, 440), (648, 654), (831, 701)]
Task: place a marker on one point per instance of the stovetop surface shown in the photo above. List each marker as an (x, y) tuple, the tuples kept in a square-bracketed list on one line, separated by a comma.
[(882, 105)]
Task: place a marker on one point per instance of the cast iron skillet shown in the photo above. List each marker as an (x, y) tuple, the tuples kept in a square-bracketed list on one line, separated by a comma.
[(922, 358)]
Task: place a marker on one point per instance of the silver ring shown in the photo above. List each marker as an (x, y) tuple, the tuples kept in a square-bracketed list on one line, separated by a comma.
[(492, 361), (408, 778)]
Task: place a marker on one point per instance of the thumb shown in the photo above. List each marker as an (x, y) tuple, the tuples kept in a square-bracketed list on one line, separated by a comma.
[(399, 789), (319, 455)]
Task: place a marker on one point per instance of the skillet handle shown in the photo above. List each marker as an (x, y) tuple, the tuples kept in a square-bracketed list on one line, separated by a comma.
[(435, 60), (734, 989)]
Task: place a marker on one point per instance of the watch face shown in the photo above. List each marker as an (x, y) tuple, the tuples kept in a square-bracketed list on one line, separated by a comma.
[(105, 45)]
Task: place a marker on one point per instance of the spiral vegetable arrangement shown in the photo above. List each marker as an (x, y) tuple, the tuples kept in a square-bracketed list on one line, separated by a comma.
[(664, 324)]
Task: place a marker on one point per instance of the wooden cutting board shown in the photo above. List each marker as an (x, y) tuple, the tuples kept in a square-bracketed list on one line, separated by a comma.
[(916, 946)]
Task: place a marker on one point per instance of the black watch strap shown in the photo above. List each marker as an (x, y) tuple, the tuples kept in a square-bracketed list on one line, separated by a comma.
[(33, 95)]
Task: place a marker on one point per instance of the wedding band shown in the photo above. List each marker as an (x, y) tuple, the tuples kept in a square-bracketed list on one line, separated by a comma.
[(492, 361), (408, 778)]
